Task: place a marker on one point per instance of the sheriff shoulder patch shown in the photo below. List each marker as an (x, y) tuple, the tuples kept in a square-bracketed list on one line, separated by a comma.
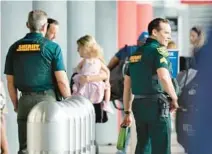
[(163, 60), (163, 51)]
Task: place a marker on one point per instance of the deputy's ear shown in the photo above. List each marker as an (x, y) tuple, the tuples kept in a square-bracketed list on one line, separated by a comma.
[(44, 27), (154, 32)]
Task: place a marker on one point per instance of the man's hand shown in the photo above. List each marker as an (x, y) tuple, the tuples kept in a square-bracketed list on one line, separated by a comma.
[(165, 78), (83, 79), (63, 83), (127, 120), (174, 105), (16, 108), (94, 78)]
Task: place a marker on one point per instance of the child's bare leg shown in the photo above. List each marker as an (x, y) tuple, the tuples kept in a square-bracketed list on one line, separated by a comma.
[(4, 143), (107, 95), (107, 106)]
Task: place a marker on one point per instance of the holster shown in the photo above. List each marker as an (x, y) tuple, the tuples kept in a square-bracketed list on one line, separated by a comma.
[(164, 105)]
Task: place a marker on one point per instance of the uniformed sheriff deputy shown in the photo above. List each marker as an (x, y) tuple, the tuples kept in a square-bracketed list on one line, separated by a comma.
[(147, 81), (118, 60), (31, 65)]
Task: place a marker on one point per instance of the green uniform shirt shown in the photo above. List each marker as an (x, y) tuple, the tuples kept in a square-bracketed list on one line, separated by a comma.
[(32, 61), (143, 68)]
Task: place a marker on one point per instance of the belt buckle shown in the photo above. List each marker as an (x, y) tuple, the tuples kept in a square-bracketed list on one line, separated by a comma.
[(35, 93)]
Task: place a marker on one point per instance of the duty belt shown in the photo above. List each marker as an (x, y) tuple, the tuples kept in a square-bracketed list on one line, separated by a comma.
[(146, 96), (34, 93)]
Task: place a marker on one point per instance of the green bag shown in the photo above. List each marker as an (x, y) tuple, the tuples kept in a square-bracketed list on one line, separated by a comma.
[(122, 137)]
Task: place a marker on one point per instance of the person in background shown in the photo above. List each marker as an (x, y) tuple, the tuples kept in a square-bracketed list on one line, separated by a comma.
[(3, 110), (126, 52), (92, 64), (197, 40), (52, 29), (201, 143)]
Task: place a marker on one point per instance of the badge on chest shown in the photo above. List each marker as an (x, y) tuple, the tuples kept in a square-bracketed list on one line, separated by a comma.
[(163, 51)]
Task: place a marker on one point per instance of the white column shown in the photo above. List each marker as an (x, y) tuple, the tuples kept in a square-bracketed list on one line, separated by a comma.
[(81, 21), (58, 11), (13, 24), (106, 27), (184, 30), (0, 47), (106, 35)]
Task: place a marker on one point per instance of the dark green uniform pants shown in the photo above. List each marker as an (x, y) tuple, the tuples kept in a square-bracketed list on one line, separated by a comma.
[(25, 104), (151, 127)]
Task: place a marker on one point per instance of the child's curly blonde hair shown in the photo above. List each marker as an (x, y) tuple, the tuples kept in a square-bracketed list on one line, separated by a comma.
[(91, 48), (171, 45)]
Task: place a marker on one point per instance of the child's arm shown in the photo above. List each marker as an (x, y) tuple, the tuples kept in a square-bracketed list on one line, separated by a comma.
[(106, 70), (79, 66)]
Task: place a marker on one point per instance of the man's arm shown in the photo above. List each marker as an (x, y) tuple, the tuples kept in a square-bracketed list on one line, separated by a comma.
[(12, 91), (164, 77), (63, 83), (94, 78), (128, 97), (113, 62), (10, 78), (116, 59), (162, 67), (60, 74)]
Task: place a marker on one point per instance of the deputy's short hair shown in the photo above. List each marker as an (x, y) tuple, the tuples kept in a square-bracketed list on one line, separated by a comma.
[(155, 24), (36, 19)]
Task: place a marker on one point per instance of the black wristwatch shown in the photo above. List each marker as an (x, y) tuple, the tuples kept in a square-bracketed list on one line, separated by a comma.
[(127, 112)]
